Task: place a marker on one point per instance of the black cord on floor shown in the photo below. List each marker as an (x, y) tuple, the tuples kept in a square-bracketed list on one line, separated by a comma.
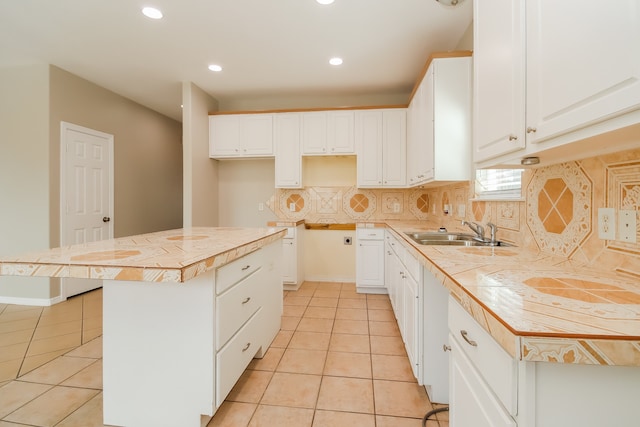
[(433, 412)]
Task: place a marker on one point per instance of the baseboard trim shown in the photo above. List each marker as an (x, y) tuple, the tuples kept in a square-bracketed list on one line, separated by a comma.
[(38, 302)]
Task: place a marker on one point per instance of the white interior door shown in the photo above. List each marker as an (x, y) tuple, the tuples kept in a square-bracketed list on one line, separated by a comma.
[(86, 189)]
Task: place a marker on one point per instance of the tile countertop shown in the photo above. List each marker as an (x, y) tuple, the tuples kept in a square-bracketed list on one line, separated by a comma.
[(539, 307), (164, 256)]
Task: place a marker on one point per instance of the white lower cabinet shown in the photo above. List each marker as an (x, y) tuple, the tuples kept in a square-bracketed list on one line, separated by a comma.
[(472, 402), (248, 309), (435, 338), (490, 388), (405, 292), (483, 379), (370, 273), (411, 321), (173, 351), (293, 268)]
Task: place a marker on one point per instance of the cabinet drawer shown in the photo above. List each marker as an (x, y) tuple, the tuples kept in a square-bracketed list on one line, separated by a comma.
[(495, 365), (370, 233), (235, 306), (232, 273), (234, 357)]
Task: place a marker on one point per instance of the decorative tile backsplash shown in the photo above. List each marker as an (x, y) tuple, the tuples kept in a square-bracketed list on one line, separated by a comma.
[(557, 216)]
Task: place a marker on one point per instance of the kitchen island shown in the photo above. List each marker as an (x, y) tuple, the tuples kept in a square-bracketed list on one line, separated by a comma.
[(184, 312)]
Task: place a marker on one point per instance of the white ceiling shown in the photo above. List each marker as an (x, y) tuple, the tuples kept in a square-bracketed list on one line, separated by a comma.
[(267, 47)]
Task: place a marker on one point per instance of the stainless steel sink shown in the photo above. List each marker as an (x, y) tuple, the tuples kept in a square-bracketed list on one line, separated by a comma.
[(451, 239)]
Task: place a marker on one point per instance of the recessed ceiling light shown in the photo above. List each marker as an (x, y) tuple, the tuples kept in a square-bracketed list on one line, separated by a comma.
[(152, 12), (325, 1), (214, 67), (335, 61)]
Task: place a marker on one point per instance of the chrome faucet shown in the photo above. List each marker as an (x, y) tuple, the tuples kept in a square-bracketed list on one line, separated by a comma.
[(493, 229), (476, 228)]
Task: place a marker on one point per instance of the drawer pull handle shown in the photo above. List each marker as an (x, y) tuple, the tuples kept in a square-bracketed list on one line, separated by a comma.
[(246, 268), (446, 347), (471, 342), (246, 347), (246, 300)]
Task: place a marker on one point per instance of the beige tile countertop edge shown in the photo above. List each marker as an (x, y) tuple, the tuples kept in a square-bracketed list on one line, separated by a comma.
[(159, 265)]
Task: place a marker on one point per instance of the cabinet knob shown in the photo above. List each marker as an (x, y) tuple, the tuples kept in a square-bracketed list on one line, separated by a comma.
[(531, 130), (513, 137), (446, 347)]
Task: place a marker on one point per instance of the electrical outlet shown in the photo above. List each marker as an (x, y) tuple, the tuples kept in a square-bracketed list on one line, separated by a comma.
[(396, 207), (292, 207), (462, 210), (260, 206), (607, 223), (627, 230)]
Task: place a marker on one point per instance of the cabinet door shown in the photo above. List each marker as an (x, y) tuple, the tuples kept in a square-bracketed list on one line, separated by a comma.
[(410, 320), (498, 73), (435, 334), (394, 141), (580, 71), (289, 261), (340, 132), (389, 270), (314, 133), (419, 143), (288, 161), (256, 134), (224, 136), (472, 403), (369, 148), (370, 263), (427, 128)]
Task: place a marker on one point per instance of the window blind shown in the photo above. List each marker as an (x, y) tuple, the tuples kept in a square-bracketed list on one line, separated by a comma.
[(498, 183)]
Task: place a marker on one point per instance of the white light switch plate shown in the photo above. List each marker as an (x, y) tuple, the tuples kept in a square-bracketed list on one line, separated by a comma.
[(627, 230), (607, 223)]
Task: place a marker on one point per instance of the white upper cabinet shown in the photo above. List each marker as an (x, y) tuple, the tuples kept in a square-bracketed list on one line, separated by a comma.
[(498, 78), (381, 147), (580, 72), (288, 161), (439, 141), (240, 135), (544, 78), (327, 133)]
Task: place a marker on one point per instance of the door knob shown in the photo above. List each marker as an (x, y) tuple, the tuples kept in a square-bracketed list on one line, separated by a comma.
[(106, 219)]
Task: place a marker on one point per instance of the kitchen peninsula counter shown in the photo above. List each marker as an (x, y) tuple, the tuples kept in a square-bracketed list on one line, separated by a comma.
[(537, 306), (184, 313)]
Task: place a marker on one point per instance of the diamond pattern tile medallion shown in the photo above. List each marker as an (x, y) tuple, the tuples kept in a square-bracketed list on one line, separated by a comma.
[(559, 208)]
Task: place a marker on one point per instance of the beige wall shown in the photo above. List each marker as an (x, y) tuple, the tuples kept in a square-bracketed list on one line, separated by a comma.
[(24, 172), (466, 41), (291, 101), (243, 184), (147, 154), (200, 173), (147, 163)]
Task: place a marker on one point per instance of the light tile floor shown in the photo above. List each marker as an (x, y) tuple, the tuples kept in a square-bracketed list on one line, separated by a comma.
[(337, 361)]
